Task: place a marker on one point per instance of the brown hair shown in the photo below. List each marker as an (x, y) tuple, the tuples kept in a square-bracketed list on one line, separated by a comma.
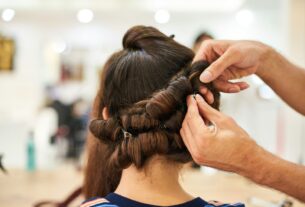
[(144, 87)]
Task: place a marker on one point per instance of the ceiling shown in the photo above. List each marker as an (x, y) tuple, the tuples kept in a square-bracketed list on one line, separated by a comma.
[(106, 5)]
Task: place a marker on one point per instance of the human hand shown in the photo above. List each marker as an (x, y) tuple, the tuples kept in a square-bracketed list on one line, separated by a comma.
[(228, 147), (230, 60)]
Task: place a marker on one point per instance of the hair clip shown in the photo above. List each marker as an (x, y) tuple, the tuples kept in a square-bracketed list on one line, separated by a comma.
[(194, 95), (126, 134), (172, 36), (162, 126)]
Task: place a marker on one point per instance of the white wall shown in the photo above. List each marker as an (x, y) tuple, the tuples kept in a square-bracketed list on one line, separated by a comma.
[(36, 65)]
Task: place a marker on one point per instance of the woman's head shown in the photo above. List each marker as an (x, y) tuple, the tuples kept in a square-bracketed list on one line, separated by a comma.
[(144, 88)]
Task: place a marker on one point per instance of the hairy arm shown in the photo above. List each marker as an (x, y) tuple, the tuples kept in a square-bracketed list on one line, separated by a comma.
[(267, 169), (285, 78)]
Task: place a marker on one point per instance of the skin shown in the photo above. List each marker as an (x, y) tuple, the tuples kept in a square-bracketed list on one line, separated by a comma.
[(157, 183), (230, 148)]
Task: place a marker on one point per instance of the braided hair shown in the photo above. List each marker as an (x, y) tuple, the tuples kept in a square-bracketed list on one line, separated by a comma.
[(144, 88)]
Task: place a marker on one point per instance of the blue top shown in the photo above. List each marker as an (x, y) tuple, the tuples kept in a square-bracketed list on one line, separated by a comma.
[(116, 200)]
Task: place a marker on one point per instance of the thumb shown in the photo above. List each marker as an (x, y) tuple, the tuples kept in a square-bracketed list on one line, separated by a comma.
[(206, 110), (229, 58)]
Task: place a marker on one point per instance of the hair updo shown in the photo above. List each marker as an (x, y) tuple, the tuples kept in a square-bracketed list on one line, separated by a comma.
[(144, 88)]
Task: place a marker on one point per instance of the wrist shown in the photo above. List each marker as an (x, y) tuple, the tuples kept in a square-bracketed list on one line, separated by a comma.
[(254, 165), (261, 167), (266, 62)]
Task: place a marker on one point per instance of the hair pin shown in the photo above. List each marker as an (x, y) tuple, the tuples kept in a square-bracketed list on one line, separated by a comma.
[(162, 126), (194, 95), (126, 134)]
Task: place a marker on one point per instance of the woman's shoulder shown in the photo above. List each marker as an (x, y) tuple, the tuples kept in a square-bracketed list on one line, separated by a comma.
[(97, 202)]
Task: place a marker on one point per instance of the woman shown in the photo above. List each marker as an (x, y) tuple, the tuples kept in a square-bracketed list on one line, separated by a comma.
[(136, 152)]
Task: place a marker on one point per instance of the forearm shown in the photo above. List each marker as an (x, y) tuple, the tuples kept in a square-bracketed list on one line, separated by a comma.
[(285, 78), (267, 169)]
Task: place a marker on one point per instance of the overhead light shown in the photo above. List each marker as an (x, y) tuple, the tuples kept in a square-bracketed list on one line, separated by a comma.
[(162, 16), (8, 15), (85, 15), (245, 17)]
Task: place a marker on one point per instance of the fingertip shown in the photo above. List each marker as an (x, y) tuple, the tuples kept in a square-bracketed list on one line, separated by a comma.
[(203, 90), (199, 98), (206, 77), (190, 100), (243, 85), (210, 97), (234, 89)]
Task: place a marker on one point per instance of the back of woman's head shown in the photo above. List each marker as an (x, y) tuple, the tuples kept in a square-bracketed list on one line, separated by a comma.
[(144, 88)]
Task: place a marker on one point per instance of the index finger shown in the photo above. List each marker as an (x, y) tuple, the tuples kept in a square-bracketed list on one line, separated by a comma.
[(202, 52), (193, 118), (229, 58), (210, 50), (206, 110)]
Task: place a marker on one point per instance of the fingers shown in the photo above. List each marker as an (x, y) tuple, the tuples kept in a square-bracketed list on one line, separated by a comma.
[(193, 118), (193, 125), (206, 110), (229, 58), (204, 51), (208, 95), (229, 87), (242, 85), (210, 50), (223, 86), (192, 115)]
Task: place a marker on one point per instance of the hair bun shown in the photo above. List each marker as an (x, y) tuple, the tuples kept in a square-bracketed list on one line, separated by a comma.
[(135, 37), (105, 130)]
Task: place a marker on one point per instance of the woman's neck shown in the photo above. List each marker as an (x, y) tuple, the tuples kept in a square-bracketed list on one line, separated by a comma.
[(157, 183)]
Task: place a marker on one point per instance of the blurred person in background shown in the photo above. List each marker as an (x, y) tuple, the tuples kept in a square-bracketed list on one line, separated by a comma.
[(201, 37), (231, 148), (71, 123), (77, 130)]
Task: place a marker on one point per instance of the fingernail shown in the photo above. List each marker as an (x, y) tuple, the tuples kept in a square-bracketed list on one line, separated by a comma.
[(198, 97), (206, 76), (211, 100), (203, 90), (233, 90), (245, 86)]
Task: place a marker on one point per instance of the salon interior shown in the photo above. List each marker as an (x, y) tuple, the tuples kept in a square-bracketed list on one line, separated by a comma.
[(53, 51)]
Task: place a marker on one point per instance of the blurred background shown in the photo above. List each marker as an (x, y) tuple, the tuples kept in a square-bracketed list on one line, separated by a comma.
[(51, 55)]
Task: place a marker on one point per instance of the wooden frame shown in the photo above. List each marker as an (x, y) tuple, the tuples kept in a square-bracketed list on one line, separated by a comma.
[(7, 51)]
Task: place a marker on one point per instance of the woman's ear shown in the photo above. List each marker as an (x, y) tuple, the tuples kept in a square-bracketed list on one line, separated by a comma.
[(105, 113)]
